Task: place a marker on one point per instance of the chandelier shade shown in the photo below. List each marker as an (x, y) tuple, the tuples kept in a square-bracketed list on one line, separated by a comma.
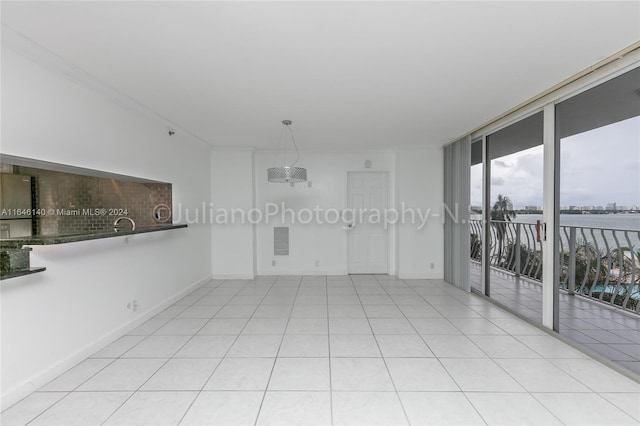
[(287, 173)]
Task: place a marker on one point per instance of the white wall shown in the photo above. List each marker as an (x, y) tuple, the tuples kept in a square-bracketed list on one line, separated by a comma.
[(232, 188), (420, 186), (53, 319), (415, 179), (325, 243)]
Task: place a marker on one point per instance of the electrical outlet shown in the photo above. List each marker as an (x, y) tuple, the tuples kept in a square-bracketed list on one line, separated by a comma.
[(273, 263), (433, 265), (317, 263), (133, 305)]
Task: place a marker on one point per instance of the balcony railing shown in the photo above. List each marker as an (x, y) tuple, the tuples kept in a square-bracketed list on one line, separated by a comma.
[(599, 263)]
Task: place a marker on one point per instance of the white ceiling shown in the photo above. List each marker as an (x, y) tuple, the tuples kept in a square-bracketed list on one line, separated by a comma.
[(350, 75)]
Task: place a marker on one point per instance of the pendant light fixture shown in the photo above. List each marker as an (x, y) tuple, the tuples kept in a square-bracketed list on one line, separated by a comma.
[(287, 173)]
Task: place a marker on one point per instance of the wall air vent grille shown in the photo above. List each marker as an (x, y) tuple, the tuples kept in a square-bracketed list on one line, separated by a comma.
[(281, 240)]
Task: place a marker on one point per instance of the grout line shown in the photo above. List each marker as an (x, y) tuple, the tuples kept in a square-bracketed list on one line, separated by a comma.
[(488, 357), (232, 343), (404, 411), (419, 335), (525, 390), (168, 359), (275, 361), (326, 289), (199, 392), (113, 360)]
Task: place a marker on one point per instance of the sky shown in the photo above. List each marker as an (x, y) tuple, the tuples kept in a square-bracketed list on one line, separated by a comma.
[(596, 167)]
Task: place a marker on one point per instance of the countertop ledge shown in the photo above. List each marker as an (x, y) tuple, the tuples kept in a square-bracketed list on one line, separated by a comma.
[(22, 272), (43, 240)]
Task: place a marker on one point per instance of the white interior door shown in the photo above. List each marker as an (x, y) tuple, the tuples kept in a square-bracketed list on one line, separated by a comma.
[(368, 242)]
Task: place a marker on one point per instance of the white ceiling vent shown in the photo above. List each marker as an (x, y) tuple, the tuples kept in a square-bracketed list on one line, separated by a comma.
[(281, 240)]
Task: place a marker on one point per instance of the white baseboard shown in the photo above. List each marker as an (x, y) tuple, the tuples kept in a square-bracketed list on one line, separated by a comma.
[(233, 276), (336, 272), (279, 272), (304, 272), (412, 276), (419, 276), (41, 378)]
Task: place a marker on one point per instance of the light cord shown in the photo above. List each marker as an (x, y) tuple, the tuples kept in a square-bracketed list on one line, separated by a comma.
[(295, 145)]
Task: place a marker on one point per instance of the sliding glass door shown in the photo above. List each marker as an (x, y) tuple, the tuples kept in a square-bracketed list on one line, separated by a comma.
[(554, 217), (512, 211), (579, 274), (598, 243)]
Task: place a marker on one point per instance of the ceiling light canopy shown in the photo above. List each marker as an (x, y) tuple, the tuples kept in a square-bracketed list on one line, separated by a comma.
[(287, 173)]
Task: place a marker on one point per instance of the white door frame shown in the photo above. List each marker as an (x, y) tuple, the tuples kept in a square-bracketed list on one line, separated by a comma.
[(389, 193)]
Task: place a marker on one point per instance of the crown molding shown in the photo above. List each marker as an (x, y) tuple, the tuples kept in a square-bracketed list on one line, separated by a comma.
[(33, 51), (231, 148), (333, 151), (418, 148)]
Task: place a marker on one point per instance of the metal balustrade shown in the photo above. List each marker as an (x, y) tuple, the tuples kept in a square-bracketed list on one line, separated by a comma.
[(598, 263)]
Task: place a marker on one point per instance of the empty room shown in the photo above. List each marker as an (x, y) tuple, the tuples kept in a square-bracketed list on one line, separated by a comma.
[(320, 213)]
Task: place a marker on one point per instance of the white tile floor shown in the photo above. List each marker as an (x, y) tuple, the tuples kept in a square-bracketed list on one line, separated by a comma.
[(359, 350)]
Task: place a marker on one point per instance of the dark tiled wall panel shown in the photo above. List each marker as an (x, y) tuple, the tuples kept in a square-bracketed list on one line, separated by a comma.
[(56, 191)]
